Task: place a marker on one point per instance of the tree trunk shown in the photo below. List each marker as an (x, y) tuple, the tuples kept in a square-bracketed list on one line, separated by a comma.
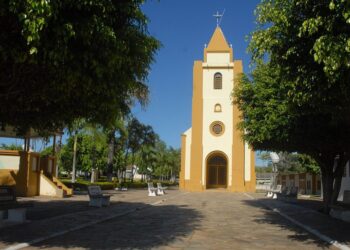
[(58, 154), (74, 157), (93, 175), (110, 155), (125, 165), (327, 190), (93, 160), (132, 167), (332, 169)]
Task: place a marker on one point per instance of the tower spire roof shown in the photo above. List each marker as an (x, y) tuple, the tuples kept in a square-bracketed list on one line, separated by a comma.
[(218, 41)]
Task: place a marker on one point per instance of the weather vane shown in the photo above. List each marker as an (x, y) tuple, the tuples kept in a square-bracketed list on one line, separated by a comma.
[(218, 17)]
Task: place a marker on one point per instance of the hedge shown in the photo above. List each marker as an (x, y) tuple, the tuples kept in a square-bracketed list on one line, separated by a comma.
[(82, 184)]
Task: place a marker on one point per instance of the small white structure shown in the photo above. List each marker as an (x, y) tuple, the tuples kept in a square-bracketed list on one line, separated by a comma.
[(160, 189), (97, 199), (272, 193), (133, 171), (152, 191)]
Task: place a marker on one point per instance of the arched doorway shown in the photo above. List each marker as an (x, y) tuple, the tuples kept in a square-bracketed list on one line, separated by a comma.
[(216, 171)]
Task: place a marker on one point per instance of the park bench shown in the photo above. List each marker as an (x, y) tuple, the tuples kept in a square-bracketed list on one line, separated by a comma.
[(293, 192), (10, 209), (160, 189), (272, 192), (152, 191), (97, 199), (341, 211), (288, 193)]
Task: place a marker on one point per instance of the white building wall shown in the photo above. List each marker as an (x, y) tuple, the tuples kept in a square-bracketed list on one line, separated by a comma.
[(218, 58), (10, 162), (188, 134), (211, 97)]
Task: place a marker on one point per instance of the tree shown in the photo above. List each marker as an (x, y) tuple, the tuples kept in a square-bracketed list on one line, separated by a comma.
[(120, 148), (147, 160), (296, 163), (297, 97), (263, 169), (308, 164), (159, 160), (61, 60), (138, 135), (74, 128), (91, 151), (10, 147)]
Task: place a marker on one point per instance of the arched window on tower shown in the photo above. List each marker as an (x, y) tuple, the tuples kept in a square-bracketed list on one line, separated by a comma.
[(217, 81), (217, 108)]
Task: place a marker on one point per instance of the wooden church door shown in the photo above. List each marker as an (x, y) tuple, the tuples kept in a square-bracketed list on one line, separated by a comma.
[(216, 171)]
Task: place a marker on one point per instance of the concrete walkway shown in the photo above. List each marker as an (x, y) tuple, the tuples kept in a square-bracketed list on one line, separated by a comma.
[(179, 220)]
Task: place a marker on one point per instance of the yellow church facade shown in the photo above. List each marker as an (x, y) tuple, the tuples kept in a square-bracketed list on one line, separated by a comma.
[(213, 153)]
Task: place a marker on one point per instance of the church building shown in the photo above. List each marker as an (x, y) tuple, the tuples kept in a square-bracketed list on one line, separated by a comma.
[(213, 153)]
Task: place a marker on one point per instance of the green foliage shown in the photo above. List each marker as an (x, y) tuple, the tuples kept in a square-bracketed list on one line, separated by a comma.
[(263, 100), (46, 152), (139, 135), (292, 102), (82, 185), (159, 160), (289, 163), (90, 152), (62, 60), (308, 164), (297, 163), (297, 98), (267, 169), (10, 147), (134, 143)]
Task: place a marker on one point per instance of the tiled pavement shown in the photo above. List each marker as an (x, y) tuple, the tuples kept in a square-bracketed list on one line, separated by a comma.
[(209, 220)]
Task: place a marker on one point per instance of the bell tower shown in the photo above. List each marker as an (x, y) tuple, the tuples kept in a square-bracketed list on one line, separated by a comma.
[(213, 154)]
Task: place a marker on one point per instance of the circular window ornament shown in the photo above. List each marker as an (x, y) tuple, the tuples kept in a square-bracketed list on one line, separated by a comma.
[(217, 128)]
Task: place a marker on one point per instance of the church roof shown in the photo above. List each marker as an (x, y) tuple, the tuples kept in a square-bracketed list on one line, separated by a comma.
[(218, 41)]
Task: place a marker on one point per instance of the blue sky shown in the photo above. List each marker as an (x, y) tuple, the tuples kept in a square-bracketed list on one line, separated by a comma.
[(183, 27)]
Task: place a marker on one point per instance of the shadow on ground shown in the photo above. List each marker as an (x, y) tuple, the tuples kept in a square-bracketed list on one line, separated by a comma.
[(53, 208), (146, 226), (271, 217)]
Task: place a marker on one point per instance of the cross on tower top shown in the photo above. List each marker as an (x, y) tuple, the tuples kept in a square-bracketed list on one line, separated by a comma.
[(218, 17)]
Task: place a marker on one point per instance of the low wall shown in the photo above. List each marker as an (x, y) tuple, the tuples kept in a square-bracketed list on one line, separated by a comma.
[(13, 171)]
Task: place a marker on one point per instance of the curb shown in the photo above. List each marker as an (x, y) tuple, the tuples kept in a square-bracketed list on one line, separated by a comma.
[(303, 226)]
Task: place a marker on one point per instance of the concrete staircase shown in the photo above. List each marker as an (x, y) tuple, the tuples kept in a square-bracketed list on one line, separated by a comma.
[(51, 186), (60, 185)]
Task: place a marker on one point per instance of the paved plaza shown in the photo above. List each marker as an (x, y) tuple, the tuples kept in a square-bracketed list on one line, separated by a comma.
[(178, 220)]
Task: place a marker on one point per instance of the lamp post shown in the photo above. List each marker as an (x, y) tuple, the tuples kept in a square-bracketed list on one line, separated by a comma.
[(275, 159)]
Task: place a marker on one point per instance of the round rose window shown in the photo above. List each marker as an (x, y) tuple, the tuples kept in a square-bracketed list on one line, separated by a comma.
[(217, 128)]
